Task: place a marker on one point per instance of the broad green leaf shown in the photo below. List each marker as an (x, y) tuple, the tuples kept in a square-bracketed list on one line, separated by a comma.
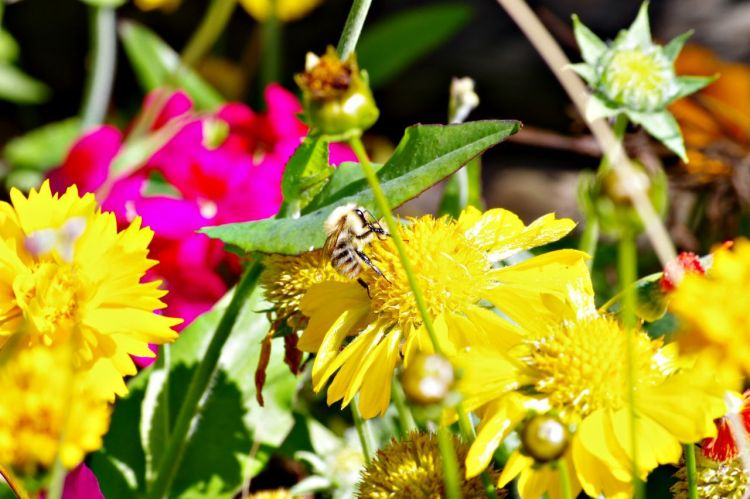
[(426, 155), (463, 188), (391, 45), (44, 147), (217, 459), (16, 86), (343, 176), (155, 64), (310, 160), (590, 45)]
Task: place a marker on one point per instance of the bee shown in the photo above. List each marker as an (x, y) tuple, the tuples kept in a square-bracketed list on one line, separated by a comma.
[(349, 228)]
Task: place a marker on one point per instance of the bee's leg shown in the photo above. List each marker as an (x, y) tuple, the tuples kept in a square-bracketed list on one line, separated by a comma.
[(364, 285), (369, 263)]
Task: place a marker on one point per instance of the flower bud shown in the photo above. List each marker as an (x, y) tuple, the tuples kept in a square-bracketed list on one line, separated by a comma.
[(428, 379), (545, 438), (336, 95)]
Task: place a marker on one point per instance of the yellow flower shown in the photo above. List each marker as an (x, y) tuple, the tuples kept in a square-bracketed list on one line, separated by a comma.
[(572, 363), (46, 409), (455, 267), (713, 311), (272, 494), (286, 10), (413, 468), (157, 4), (68, 277)]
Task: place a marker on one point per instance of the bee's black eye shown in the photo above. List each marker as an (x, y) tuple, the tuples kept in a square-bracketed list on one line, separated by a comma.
[(359, 212)]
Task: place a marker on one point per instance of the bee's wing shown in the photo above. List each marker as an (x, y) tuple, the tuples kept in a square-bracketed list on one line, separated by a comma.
[(333, 238)]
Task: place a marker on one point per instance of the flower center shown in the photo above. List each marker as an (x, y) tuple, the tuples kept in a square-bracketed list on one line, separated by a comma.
[(49, 297), (583, 367), (642, 79), (450, 271)]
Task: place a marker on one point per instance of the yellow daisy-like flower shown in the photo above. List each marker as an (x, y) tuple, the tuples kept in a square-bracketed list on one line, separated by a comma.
[(572, 362), (46, 409), (67, 276), (713, 311), (286, 10), (455, 264)]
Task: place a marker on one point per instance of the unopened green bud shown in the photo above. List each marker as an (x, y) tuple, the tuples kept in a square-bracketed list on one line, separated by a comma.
[(545, 438), (428, 379), (336, 95)]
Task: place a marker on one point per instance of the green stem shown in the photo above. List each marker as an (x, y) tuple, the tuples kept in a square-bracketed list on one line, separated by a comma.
[(270, 68), (204, 373), (363, 431), (405, 417), (468, 434), (590, 239), (692, 474), (353, 27), (451, 476), (385, 210), (211, 26), (57, 480), (566, 489), (103, 61), (627, 268)]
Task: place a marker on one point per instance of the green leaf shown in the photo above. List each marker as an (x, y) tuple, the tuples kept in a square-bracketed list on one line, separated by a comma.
[(344, 180), (217, 459), (390, 46), (585, 71), (16, 86), (104, 3), (155, 64), (463, 188), (44, 147), (639, 32), (310, 160), (590, 45), (426, 155), (663, 127), (674, 47), (8, 47), (691, 84)]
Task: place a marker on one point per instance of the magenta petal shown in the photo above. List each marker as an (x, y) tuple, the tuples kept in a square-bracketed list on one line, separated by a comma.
[(340, 153), (169, 217), (283, 108), (88, 161), (178, 104), (81, 483)]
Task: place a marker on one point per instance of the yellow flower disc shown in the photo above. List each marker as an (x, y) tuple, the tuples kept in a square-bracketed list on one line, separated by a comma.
[(286, 10), (70, 278), (46, 409), (639, 78)]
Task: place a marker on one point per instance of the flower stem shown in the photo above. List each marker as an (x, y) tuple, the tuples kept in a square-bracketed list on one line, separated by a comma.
[(385, 211), (212, 25), (57, 480), (202, 376), (628, 271), (353, 27), (468, 434), (405, 417), (364, 431), (11, 480), (270, 64), (103, 61), (590, 240), (579, 94), (451, 477), (566, 489), (692, 474)]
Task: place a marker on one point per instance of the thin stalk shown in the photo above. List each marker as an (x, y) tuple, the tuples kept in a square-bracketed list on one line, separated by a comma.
[(385, 210), (212, 25), (405, 417), (566, 489), (558, 62), (451, 476), (590, 240), (10, 479), (353, 27), (270, 64), (364, 431), (57, 481), (692, 474), (103, 62), (202, 377), (628, 271), (468, 434)]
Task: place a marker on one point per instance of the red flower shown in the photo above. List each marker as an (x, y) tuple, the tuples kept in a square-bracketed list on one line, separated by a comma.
[(673, 272), (723, 447)]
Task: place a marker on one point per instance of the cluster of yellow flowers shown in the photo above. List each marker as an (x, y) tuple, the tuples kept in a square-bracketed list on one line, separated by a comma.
[(528, 340), (73, 311)]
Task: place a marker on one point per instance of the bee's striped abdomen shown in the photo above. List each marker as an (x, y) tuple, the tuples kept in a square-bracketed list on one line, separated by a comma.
[(345, 260)]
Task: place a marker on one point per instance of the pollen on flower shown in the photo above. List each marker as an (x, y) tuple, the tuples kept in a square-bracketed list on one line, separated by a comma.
[(451, 271), (582, 368), (640, 78)]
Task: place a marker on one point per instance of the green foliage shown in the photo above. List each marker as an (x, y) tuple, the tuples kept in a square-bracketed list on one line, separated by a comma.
[(306, 170), (16, 86), (156, 64), (216, 461), (390, 46), (43, 148), (462, 189), (426, 154)]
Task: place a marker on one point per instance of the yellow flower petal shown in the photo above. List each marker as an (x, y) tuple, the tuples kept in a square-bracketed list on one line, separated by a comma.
[(375, 394), (655, 444), (517, 463)]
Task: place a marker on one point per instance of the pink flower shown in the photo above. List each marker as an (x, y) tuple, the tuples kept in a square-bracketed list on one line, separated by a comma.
[(80, 483), (235, 179)]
